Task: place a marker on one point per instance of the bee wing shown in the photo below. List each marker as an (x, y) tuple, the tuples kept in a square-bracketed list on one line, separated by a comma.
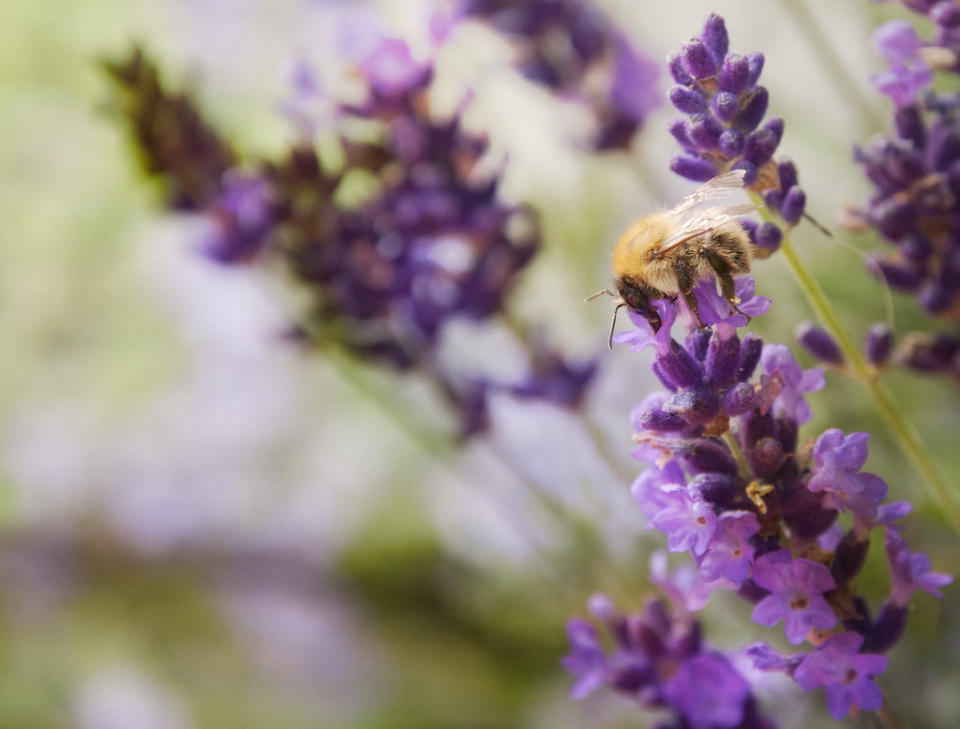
[(718, 188), (702, 222)]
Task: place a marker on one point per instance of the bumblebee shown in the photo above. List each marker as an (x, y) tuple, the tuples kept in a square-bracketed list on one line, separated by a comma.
[(665, 254)]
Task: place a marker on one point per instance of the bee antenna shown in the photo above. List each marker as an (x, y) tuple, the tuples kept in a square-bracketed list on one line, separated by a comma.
[(613, 323), (591, 297)]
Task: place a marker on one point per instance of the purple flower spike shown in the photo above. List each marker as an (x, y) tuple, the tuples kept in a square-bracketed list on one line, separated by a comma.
[(837, 460), (718, 90), (796, 594), (838, 666), (911, 571), (819, 343)]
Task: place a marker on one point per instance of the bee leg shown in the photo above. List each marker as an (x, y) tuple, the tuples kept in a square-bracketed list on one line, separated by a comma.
[(730, 293), (691, 299)]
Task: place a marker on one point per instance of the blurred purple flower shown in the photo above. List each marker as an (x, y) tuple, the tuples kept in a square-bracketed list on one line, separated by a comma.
[(838, 666), (911, 571)]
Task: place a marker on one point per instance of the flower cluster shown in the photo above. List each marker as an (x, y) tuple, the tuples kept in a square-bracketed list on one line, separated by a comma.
[(430, 241), (660, 660), (572, 48), (916, 172), (719, 92), (730, 482)]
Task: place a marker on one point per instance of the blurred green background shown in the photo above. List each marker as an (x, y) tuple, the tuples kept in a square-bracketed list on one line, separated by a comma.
[(203, 527)]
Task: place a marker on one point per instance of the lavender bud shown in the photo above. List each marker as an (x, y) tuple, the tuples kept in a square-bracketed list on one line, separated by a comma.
[(697, 59), (909, 125), (725, 105), (731, 143), (677, 71), (697, 342), (678, 128), (893, 218), (751, 226), (818, 342), (772, 198), (697, 405), (723, 356), (705, 455), (768, 236), (739, 399), (693, 168), (752, 110), (705, 131), (658, 421), (878, 344), (804, 513), (776, 126), (662, 376), (734, 74), (719, 489), (902, 275), (787, 174), (715, 36), (766, 457), (750, 350), (935, 297), (848, 558), (887, 629), (750, 171), (687, 100), (755, 65), (760, 147), (793, 204)]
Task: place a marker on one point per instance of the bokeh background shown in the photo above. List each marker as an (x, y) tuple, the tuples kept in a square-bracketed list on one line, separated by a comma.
[(204, 526)]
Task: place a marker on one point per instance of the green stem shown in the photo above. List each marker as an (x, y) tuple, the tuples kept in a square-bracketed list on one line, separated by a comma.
[(737, 454), (905, 434)]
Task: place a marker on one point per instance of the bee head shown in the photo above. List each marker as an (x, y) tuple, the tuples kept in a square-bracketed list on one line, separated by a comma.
[(638, 298)]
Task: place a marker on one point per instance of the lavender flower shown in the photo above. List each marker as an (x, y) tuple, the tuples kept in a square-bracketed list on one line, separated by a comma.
[(796, 589), (660, 660), (838, 666), (718, 91), (729, 483), (910, 571), (383, 276), (916, 172), (575, 50)]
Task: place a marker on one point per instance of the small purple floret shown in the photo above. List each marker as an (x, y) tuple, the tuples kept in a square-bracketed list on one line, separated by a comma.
[(796, 594), (838, 666)]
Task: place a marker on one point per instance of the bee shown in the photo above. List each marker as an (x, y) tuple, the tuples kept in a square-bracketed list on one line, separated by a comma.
[(665, 254)]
